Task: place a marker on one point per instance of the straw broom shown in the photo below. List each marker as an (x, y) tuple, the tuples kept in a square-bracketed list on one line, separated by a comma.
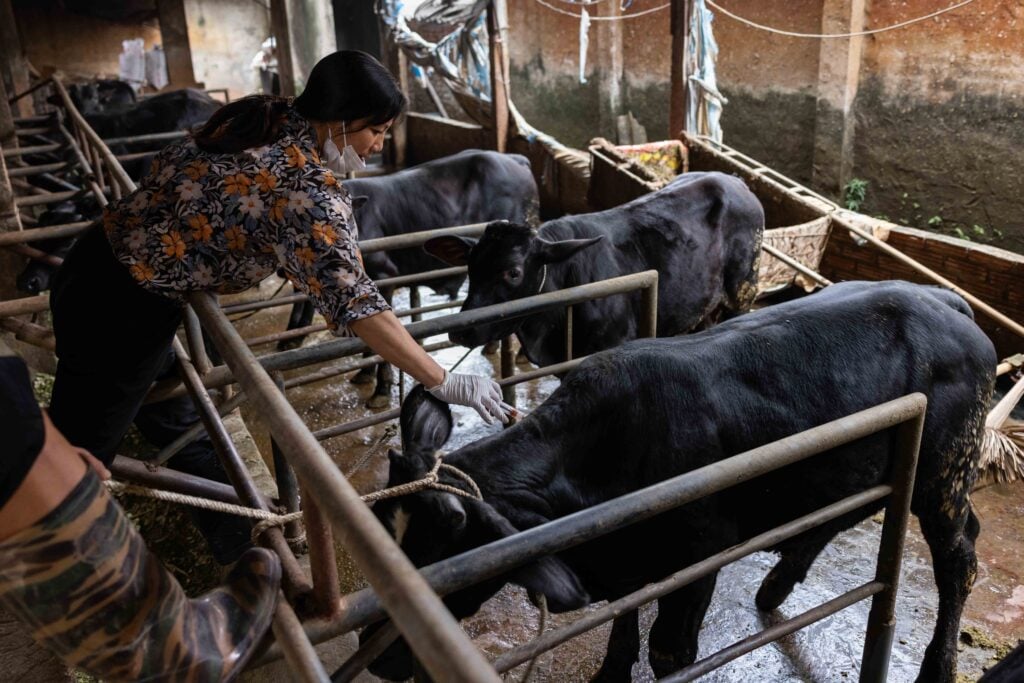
[(1002, 448)]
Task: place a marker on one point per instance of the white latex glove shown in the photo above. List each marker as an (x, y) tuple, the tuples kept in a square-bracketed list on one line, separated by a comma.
[(480, 393)]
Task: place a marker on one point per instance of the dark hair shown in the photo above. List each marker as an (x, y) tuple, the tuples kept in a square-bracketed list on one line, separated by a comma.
[(343, 86)]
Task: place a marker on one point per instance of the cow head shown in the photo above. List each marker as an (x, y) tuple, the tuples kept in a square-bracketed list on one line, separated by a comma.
[(432, 525), (508, 262), (36, 276)]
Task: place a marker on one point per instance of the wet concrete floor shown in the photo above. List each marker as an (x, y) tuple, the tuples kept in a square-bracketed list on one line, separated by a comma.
[(829, 650)]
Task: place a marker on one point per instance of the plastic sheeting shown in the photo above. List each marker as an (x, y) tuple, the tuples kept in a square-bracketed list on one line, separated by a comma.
[(460, 59), (705, 101)]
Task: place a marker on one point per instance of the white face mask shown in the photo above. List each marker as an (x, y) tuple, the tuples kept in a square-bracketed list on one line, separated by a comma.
[(342, 162)]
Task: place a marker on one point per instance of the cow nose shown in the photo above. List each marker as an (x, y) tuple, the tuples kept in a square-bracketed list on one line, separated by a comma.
[(32, 285)]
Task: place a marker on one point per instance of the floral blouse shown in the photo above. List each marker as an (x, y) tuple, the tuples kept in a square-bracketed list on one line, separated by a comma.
[(223, 222)]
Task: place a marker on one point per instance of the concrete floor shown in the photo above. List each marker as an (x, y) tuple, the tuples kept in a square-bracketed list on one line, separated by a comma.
[(827, 651)]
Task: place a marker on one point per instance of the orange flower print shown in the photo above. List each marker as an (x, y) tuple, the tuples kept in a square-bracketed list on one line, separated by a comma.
[(324, 232), (173, 244), (197, 169), (266, 180), (277, 210), (295, 156), (110, 221), (305, 255), (315, 287), (202, 231), (237, 184), (236, 238), (141, 271), (328, 179)]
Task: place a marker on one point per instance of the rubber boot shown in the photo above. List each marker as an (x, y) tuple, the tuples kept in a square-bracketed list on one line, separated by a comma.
[(85, 584)]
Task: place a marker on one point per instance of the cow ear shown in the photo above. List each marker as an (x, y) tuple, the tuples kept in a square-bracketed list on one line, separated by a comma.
[(426, 422), (359, 202), (451, 249), (552, 578), (552, 252), (548, 575)]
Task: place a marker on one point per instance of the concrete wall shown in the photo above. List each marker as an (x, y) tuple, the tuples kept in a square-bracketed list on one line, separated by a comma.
[(224, 36), (929, 115)]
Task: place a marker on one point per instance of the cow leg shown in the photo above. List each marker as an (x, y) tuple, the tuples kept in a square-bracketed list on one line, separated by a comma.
[(623, 649), (366, 375), (790, 570), (302, 316), (956, 565), (385, 382), (674, 635)]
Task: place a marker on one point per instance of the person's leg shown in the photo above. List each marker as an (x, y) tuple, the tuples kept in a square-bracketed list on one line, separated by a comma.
[(112, 339), (228, 536)]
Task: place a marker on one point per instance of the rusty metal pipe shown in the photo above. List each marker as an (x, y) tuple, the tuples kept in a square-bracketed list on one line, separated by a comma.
[(466, 569), (773, 633), (144, 473), (432, 632), (593, 619), (294, 580)]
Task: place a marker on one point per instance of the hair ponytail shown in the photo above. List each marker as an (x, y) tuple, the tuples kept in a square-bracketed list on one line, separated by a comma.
[(252, 121)]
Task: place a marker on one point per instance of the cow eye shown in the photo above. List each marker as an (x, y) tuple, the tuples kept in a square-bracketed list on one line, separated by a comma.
[(514, 275)]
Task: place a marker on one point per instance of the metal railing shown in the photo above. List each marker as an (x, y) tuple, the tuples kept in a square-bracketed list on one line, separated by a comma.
[(906, 414)]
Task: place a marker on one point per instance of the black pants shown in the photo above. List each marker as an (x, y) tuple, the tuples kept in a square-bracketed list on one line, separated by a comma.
[(113, 340)]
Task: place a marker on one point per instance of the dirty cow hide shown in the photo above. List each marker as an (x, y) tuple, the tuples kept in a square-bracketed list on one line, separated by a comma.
[(653, 409), (702, 233)]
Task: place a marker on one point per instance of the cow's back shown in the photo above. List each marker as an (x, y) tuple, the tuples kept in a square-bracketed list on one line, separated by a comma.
[(702, 233), (676, 404), (473, 186)]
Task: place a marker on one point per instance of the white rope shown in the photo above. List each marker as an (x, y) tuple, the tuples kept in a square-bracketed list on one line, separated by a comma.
[(267, 519), (623, 16), (795, 34)]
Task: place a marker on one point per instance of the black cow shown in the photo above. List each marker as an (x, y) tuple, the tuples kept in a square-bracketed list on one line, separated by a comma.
[(653, 409), (175, 110), (1009, 670), (100, 95), (472, 186), (36, 275), (702, 233)]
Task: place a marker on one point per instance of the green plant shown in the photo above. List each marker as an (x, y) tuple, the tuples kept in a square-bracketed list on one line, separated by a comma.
[(854, 193), (935, 221)]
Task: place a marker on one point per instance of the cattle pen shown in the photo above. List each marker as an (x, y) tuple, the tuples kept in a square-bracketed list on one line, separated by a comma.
[(848, 245)]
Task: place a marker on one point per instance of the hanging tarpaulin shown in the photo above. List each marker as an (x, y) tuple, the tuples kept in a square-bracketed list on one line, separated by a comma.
[(704, 113), (460, 58)]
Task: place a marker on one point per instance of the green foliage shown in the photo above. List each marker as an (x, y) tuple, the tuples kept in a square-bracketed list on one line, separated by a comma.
[(854, 193)]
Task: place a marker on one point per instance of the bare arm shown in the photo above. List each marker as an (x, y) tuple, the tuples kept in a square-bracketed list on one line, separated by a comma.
[(385, 335)]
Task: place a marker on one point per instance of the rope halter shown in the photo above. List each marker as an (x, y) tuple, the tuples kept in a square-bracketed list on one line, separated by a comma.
[(431, 480)]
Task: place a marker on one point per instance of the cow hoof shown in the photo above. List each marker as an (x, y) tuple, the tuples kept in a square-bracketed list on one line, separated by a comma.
[(365, 376), (378, 401), (490, 348), (772, 593), (613, 674), (288, 344)]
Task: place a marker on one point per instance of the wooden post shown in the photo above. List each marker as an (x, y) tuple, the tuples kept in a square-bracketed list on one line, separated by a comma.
[(12, 59), (8, 139), (283, 46), (679, 96), (392, 57), (838, 81), (497, 28), (174, 34)]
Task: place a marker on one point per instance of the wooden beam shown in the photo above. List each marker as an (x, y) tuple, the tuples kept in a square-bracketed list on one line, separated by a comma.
[(12, 60), (283, 46), (679, 94), (174, 34), (497, 28)]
